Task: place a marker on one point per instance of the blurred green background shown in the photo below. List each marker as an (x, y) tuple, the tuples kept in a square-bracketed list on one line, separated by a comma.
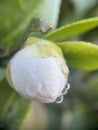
[(79, 110)]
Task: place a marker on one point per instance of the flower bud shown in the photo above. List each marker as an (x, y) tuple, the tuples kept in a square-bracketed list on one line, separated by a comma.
[(39, 72)]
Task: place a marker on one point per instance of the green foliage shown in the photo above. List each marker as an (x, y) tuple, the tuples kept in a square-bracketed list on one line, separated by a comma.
[(2, 73), (72, 29), (14, 18), (7, 95), (79, 54)]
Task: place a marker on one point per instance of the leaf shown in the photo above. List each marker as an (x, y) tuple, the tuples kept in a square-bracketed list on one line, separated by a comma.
[(82, 6), (22, 116), (90, 88), (12, 107), (16, 21), (72, 29), (81, 55), (50, 11), (6, 97), (2, 74), (16, 113), (15, 17)]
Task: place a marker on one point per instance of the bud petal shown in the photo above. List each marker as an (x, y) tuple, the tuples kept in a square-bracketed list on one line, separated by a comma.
[(39, 72)]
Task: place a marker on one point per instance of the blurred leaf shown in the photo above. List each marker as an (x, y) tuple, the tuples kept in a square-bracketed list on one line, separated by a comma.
[(55, 117), (82, 6), (86, 120), (93, 11), (22, 115), (80, 54), (50, 11), (16, 22), (12, 107), (6, 97), (78, 121), (2, 73), (16, 113), (90, 88), (72, 29), (14, 18), (67, 13)]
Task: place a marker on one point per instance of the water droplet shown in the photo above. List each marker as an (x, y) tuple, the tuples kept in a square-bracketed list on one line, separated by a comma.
[(59, 99), (65, 90)]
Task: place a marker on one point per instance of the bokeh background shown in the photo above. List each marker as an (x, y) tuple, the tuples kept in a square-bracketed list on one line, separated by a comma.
[(79, 110)]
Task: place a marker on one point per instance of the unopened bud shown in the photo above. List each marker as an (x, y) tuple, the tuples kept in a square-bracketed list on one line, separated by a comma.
[(39, 72)]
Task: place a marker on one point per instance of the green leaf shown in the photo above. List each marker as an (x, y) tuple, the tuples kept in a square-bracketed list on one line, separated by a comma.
[(14, 18), (82, 6), (90, 88), (13, 108), (2, 74), (6, 98), (72, 29), (22, 115), (81, 55), (16, 113)]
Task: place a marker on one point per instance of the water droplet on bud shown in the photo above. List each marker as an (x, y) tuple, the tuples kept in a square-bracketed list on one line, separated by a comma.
[(59, 99), (65, 90)]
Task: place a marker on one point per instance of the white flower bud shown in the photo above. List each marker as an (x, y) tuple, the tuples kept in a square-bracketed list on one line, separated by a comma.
[(39, 72)]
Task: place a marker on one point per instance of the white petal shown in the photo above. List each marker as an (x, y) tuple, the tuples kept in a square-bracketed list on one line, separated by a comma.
[(38, 78)]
